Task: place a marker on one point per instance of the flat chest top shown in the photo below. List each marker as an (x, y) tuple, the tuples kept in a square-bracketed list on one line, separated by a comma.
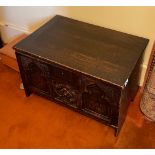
[(100, 52)]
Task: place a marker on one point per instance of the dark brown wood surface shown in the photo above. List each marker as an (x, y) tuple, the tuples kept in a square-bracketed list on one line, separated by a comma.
[(90, 69), (87, 95), (1, 43), (100, 52)]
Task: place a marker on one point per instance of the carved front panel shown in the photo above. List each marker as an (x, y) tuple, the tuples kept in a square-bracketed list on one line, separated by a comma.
[(100, 100), (37, 74), (65, 86), (88, 95), (65, 93)]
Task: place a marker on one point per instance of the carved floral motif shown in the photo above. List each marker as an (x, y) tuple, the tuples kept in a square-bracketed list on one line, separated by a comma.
[(65, 93)]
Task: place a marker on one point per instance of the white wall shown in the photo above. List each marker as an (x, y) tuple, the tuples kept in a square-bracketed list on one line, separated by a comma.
[(15, 20), (134, 20)]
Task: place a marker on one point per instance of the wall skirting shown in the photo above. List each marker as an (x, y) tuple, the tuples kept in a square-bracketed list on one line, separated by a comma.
[(143, 71), (15, 27), (10, 31)]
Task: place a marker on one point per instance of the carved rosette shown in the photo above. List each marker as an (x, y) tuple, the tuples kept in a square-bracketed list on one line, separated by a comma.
[(65, 93)]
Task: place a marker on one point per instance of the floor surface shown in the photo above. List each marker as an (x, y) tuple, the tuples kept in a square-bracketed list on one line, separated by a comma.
[(35, 122)]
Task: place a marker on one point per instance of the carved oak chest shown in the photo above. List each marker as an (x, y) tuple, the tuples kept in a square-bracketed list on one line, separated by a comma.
[(90, 69)]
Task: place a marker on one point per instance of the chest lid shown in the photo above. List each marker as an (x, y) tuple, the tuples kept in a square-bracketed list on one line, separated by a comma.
[(97, 51)]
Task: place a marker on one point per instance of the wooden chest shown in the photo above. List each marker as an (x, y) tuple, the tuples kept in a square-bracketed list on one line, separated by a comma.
[(90, 69)]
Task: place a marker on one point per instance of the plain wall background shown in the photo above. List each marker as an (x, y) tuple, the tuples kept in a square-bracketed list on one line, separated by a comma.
[(134, 20)]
